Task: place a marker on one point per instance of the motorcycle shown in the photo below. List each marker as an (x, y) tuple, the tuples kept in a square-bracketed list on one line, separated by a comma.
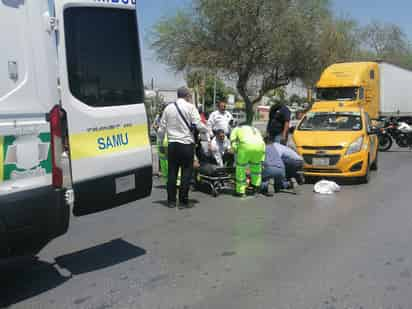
[(385, 139), (400, 132)]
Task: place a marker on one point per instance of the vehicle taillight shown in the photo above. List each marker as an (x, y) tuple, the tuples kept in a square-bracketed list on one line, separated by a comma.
[(56, 133)]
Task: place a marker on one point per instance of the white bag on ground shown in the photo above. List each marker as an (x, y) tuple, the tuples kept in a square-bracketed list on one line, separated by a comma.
[(326, 187)]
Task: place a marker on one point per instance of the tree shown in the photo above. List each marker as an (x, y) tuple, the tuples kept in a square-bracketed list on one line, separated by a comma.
[(385, 39), (221, 91), (262, 44), (203, 84), (338, 40), (195, 80), (386, 42)]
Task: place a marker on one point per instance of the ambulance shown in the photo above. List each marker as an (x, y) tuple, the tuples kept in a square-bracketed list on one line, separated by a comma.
[(73, 126)]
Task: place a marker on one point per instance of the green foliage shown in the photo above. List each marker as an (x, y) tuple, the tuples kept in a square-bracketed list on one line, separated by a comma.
[(265, 44), (386, 42), (221, 91), (267, 41)]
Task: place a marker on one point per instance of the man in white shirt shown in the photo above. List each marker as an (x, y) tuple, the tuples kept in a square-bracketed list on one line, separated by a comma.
[(178, 122), (220, 119), (220, 148)]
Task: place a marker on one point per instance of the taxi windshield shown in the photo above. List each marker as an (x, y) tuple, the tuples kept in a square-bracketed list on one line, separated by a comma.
[(326, 121)]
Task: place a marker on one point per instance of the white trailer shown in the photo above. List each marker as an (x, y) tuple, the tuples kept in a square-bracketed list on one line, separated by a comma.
[(395, 90)]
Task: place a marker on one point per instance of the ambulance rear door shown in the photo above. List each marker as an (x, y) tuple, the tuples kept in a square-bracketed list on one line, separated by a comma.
[(103, 98)]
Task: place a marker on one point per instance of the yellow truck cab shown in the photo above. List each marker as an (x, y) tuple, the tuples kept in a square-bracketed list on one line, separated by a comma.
[(336, 137)]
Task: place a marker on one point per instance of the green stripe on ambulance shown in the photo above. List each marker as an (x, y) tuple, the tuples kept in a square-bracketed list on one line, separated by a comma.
[(25, 156)]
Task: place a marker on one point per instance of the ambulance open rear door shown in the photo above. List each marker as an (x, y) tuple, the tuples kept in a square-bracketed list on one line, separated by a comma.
[(102, 97)]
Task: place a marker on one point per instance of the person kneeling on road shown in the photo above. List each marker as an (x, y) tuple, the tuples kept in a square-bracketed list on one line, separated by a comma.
[(249, 148), (281, 163)]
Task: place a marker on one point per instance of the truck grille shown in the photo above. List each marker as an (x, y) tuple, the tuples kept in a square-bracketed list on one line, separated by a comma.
[(334, 159)]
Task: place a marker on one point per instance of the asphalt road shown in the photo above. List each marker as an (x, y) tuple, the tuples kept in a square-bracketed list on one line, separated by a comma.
[(351, 250)]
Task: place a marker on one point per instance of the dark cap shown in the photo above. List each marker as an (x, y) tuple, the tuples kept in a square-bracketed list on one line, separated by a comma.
[(183, 92)]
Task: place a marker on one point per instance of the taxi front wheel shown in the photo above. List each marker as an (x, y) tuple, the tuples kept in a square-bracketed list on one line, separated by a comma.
[(374, 166), (365, 179)]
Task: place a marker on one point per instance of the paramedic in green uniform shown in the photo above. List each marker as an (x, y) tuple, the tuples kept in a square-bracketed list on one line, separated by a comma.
[(162, 147), (164, 166), (249, 147)]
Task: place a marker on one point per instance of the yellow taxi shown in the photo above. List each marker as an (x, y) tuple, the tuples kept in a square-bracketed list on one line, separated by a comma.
[(337, 142)]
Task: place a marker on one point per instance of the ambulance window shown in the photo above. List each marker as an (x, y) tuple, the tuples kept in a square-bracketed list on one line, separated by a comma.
[(103, 56), (372, 74)]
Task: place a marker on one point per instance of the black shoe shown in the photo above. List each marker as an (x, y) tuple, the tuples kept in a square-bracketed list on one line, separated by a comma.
[(251, 191), (185, 205), (171, 204), (300, 179), (239, 194), (277, 188), (189, 205), (266, 193)]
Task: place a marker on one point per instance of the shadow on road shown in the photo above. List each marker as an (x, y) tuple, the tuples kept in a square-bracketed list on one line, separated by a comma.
[(99, 257), (28, 277), (397, 150), (166, 204)]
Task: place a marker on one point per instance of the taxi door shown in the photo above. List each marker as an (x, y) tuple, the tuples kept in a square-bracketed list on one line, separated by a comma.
[(102, 97)]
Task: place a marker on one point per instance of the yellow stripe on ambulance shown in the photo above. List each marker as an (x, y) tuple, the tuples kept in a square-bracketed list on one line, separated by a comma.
[(94, 144)]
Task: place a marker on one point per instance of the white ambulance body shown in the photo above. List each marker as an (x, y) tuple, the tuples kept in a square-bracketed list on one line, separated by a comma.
[(73, 126)]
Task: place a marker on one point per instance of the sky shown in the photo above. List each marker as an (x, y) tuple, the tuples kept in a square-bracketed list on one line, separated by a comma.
[(364, 11)]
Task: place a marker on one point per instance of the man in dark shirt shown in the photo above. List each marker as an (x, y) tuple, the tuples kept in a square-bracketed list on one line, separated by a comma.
[(278, 125)]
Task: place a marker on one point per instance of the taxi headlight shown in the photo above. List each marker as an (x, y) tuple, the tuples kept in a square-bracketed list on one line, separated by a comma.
[(356, 146)]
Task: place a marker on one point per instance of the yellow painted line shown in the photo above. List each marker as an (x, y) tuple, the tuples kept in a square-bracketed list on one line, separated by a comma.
[(1, 158), (101, 143)]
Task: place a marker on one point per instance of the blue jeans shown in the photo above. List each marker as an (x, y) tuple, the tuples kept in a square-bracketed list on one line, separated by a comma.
[(293, 167), (278, 174), (278, 138)]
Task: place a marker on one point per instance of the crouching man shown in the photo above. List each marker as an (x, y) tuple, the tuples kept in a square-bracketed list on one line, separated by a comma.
[(281, 163)]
